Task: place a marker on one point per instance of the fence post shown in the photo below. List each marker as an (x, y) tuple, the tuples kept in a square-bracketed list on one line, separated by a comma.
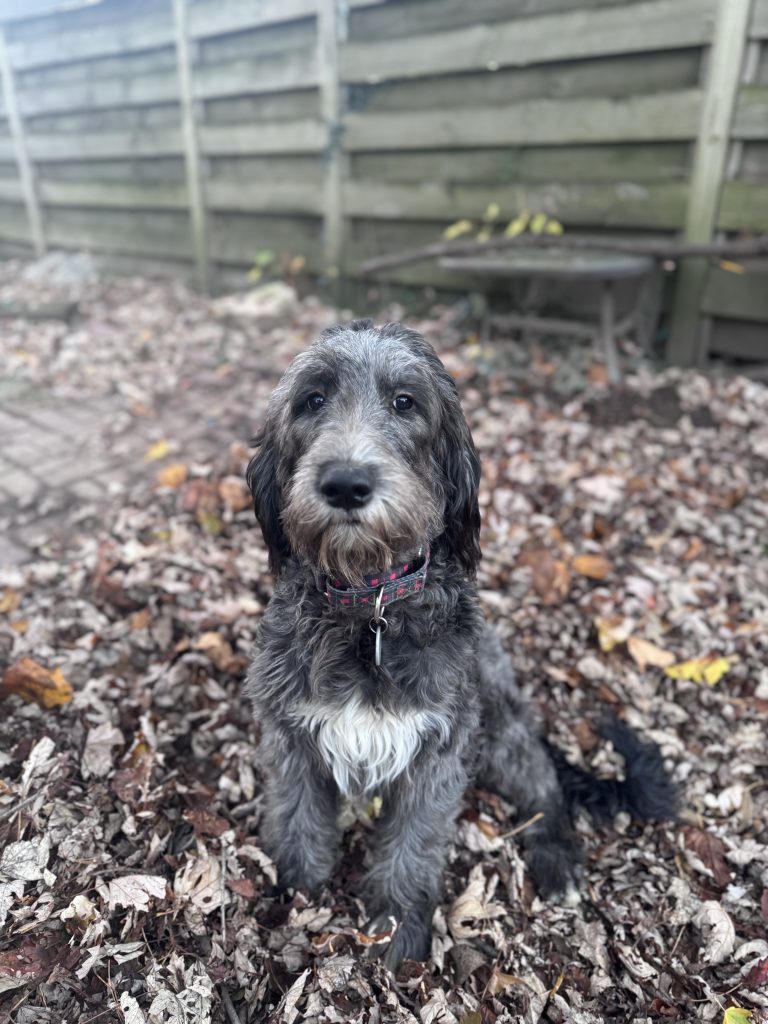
[(189, 133), (23, 163), (724, 74), (331, 29)]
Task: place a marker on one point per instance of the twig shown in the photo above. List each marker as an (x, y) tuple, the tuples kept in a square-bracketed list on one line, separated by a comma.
[(524, 825), (10, 811), (223, 894), (658, 248), (229, 1007)]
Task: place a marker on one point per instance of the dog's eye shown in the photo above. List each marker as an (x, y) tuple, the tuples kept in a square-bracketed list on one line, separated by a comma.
[(315, 401), (403, 403)]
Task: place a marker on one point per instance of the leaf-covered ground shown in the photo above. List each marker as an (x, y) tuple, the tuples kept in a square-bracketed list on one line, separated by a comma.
[(624, 537)]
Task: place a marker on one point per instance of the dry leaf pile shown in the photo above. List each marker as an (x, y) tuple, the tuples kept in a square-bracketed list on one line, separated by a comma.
[(626, 566)]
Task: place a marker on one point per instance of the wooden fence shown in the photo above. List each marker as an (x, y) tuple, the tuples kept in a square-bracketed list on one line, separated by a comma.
[(171, 134)]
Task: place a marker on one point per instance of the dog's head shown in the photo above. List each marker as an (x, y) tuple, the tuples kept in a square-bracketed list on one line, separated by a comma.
[(365, 456)]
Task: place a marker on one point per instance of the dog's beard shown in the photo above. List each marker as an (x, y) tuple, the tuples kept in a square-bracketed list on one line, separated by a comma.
[(351, 545)]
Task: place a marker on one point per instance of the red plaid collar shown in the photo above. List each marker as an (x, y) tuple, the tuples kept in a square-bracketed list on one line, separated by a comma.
[(393, 584)]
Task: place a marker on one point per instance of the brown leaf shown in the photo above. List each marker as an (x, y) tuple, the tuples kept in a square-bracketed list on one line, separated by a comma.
[(220, 652), (243, 887), (36, 685), (758, 975), (644, 653), (551, 576), (595, 567), (710, 850), (764, 904), (9, 601), (206, 823), (173, 475), (140, 619), (499, 981), (234, 493)]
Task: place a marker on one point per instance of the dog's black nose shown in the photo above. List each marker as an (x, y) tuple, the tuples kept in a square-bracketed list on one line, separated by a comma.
[(346, 486)]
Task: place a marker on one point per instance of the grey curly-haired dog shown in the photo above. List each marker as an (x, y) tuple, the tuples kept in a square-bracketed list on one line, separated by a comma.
[(373, 670)]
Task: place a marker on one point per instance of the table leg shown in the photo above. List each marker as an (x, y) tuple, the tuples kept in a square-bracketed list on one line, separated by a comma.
[(608, 333)]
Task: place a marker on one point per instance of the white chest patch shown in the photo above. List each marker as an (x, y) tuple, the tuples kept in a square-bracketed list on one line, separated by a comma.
[(366, 747)]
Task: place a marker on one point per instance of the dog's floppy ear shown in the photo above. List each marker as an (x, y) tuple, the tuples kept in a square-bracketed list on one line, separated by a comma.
[(261, 477), (460, 464)]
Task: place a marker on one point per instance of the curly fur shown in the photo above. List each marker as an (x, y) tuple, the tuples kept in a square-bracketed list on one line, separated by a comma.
[(443, 708)]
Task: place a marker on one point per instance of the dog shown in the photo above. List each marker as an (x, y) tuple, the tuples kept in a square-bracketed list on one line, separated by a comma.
[(373, 670)]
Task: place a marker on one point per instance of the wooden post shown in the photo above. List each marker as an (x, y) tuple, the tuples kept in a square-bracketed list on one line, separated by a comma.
[(331, 29), (724, 74), (189, 133), (23, 163)]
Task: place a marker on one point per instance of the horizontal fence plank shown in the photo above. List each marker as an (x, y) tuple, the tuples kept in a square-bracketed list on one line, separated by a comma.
[(751, 116), (632, 74), (304, 136), (661, 206), (666, 116), (270, 197), (387, 20), (744, 206), (740, 296), (632, 162), (154, 32), (281, 73), (11, 191), (103, 145), (154, 234), (113, 196), (739, 340), (631, 28)]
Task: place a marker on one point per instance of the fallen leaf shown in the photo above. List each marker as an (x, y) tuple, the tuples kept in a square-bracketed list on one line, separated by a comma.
[(9, 602), (156, 451), (644, 653), (471, 911), (200, 882), (551, 577), (172, 476), (135, 891), (758, 975), (499, 981), (613, 631), (709, 669), (596, 567), (764, 904), (720, 934), (35, 684), (97, 758), (735, 1015), (710, 850), (457, 229), (234, 493), (219, 650), (26, 859)]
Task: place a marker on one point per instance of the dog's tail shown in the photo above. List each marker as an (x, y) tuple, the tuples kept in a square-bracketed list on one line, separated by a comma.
[(646, 792)]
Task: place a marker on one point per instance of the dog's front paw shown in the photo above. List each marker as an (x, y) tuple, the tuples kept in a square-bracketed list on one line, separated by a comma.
[(408, 938)]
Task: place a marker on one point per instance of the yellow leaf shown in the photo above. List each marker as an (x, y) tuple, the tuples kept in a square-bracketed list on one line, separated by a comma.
[(538, 223), (594, 566), (735, 1015), (297, 264), (255, 274), (731, 267), (554, 227), (173, 475), (156, 451), (518, 225), (709, 670), (457, 229), (35, 684), (644, 653), (483, 234), (492, 212)]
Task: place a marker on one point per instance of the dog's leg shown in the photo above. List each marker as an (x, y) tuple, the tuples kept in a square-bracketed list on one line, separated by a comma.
[(409, 853), (515, 763), (299, 829)]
